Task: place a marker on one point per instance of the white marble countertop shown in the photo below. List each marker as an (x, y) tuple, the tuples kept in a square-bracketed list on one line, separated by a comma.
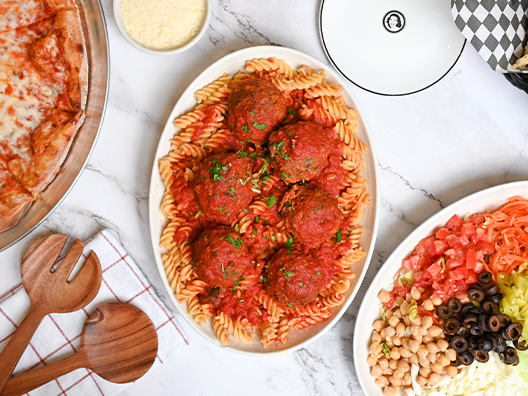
[(466, 133)]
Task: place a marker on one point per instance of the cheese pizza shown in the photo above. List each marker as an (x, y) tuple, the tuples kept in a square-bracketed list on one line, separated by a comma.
[(43, 90)]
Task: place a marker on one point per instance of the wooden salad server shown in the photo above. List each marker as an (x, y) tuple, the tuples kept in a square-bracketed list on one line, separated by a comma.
[(119, 343), (50, 291)]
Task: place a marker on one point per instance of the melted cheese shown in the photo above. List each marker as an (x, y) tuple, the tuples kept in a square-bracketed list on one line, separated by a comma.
[(163, 24), (19, 13)]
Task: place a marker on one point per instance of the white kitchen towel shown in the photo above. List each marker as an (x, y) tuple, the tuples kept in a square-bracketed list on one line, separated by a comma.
[(59, 335)]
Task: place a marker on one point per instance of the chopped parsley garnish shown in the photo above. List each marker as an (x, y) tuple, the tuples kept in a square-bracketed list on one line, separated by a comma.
[(283, 174), (290, 111), (262, 279), (318, 272), (198, 214), (246, 210), (264, 168), (257, 218), (301, 284), (236, 243), (270, 201), (290, 304), (289, 242), (308, 161), (242, 153), (222, 208), (252, 113), (245, 128), (259, 126), (338, 237), (244, 182), (288, 204), (279, 145), (286, 156), (215, 170), (289, 252)]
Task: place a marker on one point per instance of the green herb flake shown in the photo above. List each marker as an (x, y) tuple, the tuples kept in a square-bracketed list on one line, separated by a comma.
[(252, 113), (290, 111), (235, 242), (289, 242), (198, 214), (290, 304), (245, 128), (257, 218), (385, 348), (318, 272), (301, 284), (222, 208), (270, 201), (259, 126), (338, 237), (246, 210)]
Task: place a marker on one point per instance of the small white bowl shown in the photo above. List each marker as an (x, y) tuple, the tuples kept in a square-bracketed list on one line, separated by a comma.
[(120, 26)]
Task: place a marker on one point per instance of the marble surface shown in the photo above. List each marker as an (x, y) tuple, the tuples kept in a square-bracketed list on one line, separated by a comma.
[(464, 134)]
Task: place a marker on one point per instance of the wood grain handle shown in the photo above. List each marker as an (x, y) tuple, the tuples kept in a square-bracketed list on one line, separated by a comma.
[(26, 382), (19, 342)]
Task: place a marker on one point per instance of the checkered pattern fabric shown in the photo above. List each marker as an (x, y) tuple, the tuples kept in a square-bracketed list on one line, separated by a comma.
[(59, 335), (496, 28)]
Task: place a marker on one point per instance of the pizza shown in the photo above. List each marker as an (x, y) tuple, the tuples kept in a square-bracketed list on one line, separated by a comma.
[(43, 91)]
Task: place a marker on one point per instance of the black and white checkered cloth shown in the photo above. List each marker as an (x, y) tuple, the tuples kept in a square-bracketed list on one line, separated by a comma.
[(496, 28)]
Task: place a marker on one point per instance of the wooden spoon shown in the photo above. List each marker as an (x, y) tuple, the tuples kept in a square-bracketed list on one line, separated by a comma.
[(50, 291), (119, 343)]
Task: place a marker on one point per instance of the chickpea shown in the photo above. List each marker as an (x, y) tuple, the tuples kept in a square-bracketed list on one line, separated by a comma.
[(393, 363), (400, 329), (407, 379), (375, 337), (408, 297), (376, 371), (394, 381), (432, 347), (395, 353), (415, 331), (389, 342), (423, 361), (427, 339), (405, 353), (418, 338), (417, 321), (427, 321), (432, 358), (404, 308), (428, 305), (407, 321), (436, 301), (375, 348), (425, 371), (396, 340), (372, 361), (378, 325), (389, 314), (398, 314), (413, 359), (393, 321), (435, 331), (405, 342), (403, 366), (390, 331), (398, 300), (415, 293), (383, 363), (388, 372), (421, 380), (383, 333), (398, 374), (414, 346), (384, 296), (437, 368), (452, 371), (434, 379), (442, 345), (390, 391), (382, 381), (443, 360), (422, 351), (451, 354), (422, 330)]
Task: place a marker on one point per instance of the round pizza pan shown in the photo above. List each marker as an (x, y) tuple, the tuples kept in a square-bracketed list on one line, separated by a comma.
[(95, 35)]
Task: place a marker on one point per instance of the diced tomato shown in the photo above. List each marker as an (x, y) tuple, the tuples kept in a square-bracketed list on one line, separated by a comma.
[(454, 222), (471, 259), (443, 233), (440, 247), (434, 270)]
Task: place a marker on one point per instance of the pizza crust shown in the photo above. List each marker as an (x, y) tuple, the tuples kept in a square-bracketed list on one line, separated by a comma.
[(14, 200)]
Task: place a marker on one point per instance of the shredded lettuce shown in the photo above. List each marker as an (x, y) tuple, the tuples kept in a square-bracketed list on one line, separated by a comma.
[(523, 364), (383, 313), (385, 348), (406, 278), (413, 310), (514, 289)]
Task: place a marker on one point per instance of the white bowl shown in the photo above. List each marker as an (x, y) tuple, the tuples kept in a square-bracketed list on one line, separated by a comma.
[(119, 23), (231, 64), (491, 198)]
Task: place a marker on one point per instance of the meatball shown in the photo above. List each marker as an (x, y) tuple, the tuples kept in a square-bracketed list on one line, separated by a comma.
[(311, 214), (301, 150), (255, 108), (221, 258), (223, 186), (296, 278)]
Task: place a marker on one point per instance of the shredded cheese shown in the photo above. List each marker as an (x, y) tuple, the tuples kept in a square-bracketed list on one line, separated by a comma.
[(163, 24)]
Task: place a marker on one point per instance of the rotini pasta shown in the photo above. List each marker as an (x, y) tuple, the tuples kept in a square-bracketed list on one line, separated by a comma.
[(204, 133)]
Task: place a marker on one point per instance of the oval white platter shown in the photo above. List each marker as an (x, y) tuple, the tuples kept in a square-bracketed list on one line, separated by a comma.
[(231, 64), (489, 199)]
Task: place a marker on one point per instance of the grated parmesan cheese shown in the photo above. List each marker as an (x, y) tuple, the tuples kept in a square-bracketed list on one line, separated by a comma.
[(163, 24)]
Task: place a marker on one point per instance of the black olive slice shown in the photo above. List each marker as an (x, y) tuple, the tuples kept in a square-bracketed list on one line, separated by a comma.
[(521, 344), (490, 307), (482, 322), (501, 344), (443, 312), (485, 277), (495, 298), (485, 343), (465, 358), (504, 320), (493, 323), (475, 330), (473, 342), (459, 344), (469, 320), (465, 308), (476, 295), (492, 290), (476, 286), (475, 310), (516, 361), (454, 305), (451, 326), (462, 331), (508, 356), (481, 356), (513, 332)]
